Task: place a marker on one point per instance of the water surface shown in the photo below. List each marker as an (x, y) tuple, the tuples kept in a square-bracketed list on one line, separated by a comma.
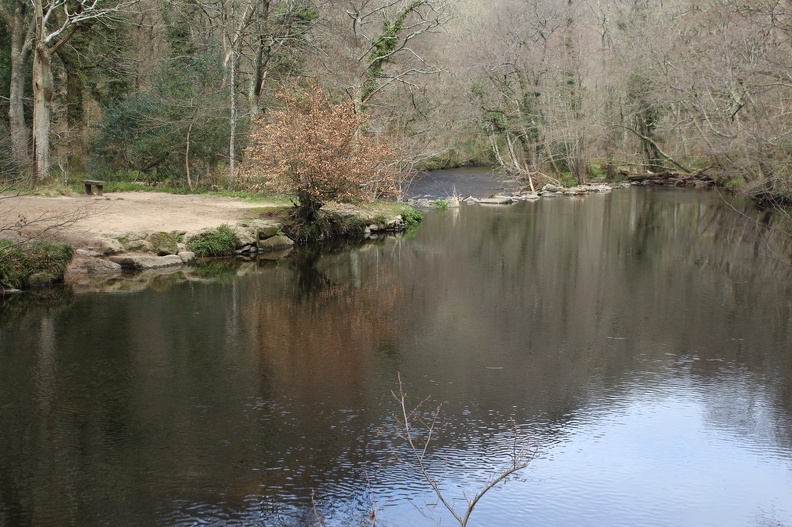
[(639, 342)]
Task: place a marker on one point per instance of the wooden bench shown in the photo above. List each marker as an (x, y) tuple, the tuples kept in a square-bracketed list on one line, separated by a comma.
[(93, 182)]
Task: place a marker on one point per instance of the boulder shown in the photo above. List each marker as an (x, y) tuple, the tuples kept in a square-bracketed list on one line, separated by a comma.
[(139, 246), (163, 243), (266, 228), (129, 236), (100, 266), (139, 263), (245, 235), (111, 246), (497, 200), (187, 257), (274, 243), (552, 188)]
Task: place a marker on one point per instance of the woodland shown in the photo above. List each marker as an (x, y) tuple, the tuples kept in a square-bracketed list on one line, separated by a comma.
[(185, 92)]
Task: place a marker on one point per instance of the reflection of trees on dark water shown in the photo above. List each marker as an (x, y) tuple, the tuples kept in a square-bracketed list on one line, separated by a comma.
[(304, 260), (13, 307), (309, 279), (243, 397)]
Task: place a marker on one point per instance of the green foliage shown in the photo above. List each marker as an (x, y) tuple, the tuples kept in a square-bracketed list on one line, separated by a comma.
[(441, 204), (32, 264), (383, 47), (220, 242), (736, 183), (97, 53), (15, 308), (149, 132), (222, 271), (412, 217)]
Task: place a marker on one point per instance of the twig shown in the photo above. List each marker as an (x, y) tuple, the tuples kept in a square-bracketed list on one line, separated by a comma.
[(521, 454)]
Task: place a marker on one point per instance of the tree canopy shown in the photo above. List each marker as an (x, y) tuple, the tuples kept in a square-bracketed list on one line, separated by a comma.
[(548, 90)]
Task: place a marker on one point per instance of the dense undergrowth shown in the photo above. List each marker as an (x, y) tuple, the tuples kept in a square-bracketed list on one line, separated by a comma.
[(32, 264)]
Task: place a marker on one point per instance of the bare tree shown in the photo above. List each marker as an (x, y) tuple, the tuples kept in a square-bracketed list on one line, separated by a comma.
[(54, 23), (370, 44), (16, 15)]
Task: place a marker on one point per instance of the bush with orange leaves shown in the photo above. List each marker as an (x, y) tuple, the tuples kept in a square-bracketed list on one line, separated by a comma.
[(319, 151)]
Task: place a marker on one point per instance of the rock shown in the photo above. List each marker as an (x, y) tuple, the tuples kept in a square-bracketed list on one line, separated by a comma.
[(396, 223), (497, 200), (552, 188), (129, 236), (99, 266), (266, 228), (245, 235), (187, 257), (197, 235), (139, 263), (111, 246), (163, 243), (421, 203), (274, 243), (88, 253), (139, 246)]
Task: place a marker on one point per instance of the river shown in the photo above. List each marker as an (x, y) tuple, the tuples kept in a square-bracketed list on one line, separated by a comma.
[(636, 344)]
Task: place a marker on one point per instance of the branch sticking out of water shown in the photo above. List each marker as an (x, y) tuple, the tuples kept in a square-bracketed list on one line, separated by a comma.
[(419, 430)]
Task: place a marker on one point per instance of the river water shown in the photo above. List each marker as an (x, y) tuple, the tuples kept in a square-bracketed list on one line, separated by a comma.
[(637, 344)]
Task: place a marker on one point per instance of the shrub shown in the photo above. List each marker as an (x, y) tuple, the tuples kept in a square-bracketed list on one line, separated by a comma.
[(33, 263), (319, 151), (220, 242), (412, 217)]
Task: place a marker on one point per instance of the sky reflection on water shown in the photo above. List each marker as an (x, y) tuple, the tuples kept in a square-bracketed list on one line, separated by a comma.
[(641, 340)]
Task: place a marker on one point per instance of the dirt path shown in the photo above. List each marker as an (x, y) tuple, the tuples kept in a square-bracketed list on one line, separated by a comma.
[(87, 218)]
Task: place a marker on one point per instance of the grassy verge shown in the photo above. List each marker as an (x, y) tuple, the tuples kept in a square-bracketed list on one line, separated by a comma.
[(32, 264)]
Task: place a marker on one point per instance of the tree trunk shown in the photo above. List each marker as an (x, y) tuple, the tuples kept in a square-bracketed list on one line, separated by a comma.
[(75, 115), (261, 58), (21, 46), (232, 137), (42, 97)]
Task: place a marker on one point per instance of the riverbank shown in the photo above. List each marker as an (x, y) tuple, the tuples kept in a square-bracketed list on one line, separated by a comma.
[(118, 230)]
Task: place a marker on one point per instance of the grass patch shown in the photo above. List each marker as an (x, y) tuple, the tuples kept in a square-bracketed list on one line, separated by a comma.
[(736, 183), (33, 264), (412, 217), (219, 242)]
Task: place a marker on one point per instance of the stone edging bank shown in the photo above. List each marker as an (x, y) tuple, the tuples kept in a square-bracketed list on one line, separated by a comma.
[(548, 191), (139, 250)]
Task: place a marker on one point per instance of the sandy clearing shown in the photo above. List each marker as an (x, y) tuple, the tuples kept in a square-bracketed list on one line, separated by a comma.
[(93, 217)]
